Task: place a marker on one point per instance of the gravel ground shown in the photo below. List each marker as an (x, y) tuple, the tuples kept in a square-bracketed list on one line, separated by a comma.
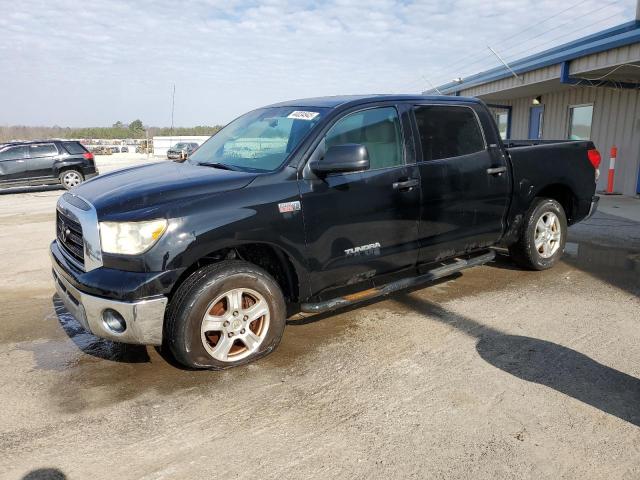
[(495, 373)]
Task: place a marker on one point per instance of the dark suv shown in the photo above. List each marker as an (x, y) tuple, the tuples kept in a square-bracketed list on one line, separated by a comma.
[(45, 162)]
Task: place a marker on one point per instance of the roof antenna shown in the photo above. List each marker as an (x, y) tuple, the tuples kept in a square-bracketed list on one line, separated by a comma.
[(433, 87), (505, 64)]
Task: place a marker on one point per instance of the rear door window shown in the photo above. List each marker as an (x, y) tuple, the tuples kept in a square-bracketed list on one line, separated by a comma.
[(74, 148), (42, 150), (448, 131)]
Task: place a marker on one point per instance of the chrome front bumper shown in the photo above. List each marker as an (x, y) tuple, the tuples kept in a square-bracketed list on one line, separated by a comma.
[(144, 318)]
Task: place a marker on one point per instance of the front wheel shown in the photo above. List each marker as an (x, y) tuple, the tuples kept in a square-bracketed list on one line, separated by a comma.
[(71, 178), (224, 315), (543, 237)]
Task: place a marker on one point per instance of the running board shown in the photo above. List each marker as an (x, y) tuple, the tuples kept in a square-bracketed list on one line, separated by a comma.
[(432, 275)]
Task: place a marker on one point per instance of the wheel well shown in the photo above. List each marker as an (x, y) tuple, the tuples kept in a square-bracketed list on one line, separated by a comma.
[(69, 167), (272, 259), (564, 196)]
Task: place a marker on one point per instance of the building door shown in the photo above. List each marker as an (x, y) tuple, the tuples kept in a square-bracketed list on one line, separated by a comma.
[(536, 115)]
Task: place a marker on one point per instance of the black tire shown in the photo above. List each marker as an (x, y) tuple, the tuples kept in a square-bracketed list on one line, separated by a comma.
[(193, 299), (524, 251), (70, 178)]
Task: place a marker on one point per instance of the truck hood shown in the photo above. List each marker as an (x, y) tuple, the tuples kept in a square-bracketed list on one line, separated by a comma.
[(156, 184)]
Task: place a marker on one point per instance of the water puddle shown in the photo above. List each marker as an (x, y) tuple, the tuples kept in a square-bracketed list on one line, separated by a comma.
[(602, 257)]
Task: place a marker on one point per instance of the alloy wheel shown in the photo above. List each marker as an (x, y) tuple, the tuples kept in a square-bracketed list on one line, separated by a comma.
[(548, 235), (235, 324), (71, 179)]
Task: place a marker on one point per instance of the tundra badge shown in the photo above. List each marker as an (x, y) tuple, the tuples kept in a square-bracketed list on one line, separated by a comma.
[(371, 249)]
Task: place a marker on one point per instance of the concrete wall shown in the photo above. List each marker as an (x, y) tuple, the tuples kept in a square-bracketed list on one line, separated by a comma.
[(616, 121)]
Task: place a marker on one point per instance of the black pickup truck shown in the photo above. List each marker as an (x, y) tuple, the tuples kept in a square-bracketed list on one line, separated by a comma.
[(308, 206)]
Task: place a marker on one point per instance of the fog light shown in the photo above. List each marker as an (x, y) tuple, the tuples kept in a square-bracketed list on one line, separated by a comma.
[(113, 321)]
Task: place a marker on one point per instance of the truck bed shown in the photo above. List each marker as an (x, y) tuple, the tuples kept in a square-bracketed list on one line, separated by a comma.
[(559, 165)]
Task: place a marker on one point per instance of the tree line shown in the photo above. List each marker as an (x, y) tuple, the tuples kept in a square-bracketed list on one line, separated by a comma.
[(118, 130)]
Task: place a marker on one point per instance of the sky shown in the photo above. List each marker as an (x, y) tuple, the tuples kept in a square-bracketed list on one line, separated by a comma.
[(94, 62)]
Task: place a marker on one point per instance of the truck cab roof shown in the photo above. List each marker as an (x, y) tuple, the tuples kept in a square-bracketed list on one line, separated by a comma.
[(342, 101)]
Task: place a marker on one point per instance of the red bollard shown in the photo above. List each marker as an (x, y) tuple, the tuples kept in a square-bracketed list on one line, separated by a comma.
[(612, 169)]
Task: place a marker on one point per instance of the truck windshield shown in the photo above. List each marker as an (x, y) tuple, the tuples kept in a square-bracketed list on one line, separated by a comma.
[(259, 141)]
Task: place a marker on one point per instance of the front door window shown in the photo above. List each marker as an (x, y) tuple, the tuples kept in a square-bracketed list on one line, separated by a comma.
[(378, 129)]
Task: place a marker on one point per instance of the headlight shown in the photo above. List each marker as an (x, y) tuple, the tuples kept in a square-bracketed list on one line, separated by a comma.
[(130, 238)]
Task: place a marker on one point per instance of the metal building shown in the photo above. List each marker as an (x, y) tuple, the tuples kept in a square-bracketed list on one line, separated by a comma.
[(587, 88)]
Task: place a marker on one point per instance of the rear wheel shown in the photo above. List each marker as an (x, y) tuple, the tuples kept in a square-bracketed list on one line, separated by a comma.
[(71, 178), (544, 236), (225, 315)]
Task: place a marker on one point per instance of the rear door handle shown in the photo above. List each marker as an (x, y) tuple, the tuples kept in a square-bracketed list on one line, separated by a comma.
[(405, 185), (496, 170)]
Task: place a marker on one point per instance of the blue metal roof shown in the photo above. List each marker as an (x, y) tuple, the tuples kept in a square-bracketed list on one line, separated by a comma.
[(625, 34)]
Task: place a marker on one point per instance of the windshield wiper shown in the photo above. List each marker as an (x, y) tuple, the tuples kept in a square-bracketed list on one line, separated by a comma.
[(222, 166)]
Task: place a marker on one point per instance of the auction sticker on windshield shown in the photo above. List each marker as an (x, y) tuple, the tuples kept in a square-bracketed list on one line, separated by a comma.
[(302, 115)]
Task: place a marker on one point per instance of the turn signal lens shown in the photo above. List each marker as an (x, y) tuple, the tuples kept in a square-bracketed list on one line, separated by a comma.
[(594, 157)]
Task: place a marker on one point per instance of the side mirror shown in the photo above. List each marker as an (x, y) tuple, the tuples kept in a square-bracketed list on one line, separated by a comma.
[(350, 157)]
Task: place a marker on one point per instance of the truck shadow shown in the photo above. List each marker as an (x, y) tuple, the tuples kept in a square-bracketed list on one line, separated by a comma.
[(30, 189), (546, 363), (45, 474)]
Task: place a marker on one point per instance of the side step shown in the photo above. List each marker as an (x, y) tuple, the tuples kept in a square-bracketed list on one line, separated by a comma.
[(432, 275)]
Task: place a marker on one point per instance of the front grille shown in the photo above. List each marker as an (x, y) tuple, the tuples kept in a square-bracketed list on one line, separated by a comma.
[(69, 234)]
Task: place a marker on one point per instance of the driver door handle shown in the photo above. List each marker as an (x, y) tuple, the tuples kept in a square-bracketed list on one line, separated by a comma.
[(406, 185), (496, 170)]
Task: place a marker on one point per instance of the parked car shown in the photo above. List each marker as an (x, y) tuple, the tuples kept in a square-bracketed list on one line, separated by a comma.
[(45, 162), (309, 206), (115, 149), (124, 149), (181, 150)]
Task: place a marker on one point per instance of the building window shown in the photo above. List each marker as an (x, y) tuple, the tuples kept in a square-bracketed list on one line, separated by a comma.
[(580, 118), (502, 119)]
